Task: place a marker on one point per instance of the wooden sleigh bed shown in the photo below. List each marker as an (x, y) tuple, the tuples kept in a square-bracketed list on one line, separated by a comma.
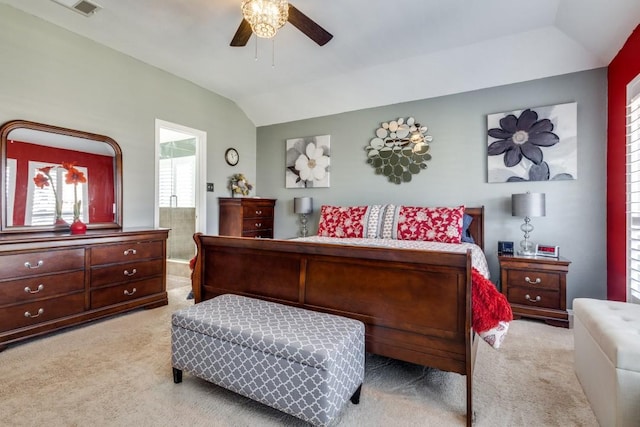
[(416, 305)]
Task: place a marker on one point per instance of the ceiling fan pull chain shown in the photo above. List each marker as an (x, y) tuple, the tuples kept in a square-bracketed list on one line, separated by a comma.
[(256, 52)]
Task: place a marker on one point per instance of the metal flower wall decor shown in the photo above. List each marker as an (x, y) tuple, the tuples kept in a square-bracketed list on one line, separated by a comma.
[(535, 144), (399, 150)]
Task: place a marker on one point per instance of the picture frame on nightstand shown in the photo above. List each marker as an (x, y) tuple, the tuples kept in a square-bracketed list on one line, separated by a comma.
[(505, 248)]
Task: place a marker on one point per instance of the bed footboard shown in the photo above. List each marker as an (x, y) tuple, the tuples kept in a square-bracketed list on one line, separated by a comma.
[(416, 305)]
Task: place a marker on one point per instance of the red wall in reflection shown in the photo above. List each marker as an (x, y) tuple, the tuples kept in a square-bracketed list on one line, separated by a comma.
[(100, 173)]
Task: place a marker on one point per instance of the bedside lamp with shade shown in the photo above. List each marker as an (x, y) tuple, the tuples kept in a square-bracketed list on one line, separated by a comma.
[(527, 205), (303, 206)]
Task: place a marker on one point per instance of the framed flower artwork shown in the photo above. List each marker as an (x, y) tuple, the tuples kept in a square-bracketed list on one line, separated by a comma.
[(307, 164), (534, 144)]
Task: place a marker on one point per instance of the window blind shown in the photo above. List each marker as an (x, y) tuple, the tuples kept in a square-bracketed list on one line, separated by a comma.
[(633, 191)]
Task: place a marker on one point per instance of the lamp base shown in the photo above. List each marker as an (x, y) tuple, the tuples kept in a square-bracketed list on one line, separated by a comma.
[(303, 225), (526, 253)]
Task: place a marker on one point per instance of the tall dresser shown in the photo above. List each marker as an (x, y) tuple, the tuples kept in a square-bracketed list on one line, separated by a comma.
[(246, 217), (49, 281)]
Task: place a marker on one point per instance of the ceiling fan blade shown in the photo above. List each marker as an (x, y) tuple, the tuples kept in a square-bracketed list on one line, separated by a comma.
[(312, 30), (243, 34)]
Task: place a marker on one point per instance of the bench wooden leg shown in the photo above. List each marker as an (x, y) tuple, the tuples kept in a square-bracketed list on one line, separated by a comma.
[(177, 375), (355, 399)]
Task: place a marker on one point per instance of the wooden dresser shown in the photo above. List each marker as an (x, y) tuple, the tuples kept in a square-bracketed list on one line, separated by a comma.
[(246, 217), (50, 281)]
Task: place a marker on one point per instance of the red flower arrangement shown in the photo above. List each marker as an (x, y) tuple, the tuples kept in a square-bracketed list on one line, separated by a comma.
[(73, 176)]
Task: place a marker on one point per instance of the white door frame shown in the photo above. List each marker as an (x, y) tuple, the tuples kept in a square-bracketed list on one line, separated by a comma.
[(201, 172)]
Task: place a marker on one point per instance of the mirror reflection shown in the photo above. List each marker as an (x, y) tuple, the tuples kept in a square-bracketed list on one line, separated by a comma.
[(53, 175)]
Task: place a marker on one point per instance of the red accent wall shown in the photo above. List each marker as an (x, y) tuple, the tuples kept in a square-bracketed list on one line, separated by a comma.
[(100, 173), (622, 70)]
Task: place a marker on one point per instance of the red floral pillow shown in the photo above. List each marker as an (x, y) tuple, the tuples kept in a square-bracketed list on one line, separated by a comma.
[(342, 221), (431, 224)]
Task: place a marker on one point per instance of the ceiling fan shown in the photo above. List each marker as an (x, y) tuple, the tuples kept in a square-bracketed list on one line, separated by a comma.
[(298, 19)]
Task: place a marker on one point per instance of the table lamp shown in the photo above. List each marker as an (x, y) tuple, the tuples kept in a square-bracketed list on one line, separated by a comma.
[(527, 205), (303, 206)]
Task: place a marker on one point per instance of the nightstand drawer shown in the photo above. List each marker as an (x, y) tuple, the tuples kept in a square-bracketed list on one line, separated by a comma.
[(533, 279), (534, 297)]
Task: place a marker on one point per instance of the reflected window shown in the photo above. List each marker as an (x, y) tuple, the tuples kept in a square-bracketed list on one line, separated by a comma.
[(41, 202), (10, 181)]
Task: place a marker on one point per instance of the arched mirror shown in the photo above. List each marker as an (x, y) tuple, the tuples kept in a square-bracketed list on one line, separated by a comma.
[(37, 195)]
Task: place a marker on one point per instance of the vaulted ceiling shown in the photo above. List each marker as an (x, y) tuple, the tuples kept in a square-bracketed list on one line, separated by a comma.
[(382, 52)]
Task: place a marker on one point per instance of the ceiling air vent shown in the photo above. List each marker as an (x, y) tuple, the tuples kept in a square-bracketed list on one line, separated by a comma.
[(84, 7)]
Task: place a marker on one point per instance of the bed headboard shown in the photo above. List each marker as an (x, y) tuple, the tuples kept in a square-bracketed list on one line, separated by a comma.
[(476, 229)]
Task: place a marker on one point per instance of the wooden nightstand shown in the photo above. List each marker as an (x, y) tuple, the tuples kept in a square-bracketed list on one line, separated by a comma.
[(536, 287)]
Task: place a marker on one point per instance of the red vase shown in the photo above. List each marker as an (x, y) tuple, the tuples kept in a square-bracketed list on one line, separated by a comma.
[(61, 224), (78, 227)]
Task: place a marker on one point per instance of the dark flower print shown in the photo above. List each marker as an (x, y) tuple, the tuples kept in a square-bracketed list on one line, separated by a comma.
[(522, 136), (540, 173)]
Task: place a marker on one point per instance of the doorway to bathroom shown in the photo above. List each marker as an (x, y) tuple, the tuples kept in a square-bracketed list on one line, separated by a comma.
[(180, 204)]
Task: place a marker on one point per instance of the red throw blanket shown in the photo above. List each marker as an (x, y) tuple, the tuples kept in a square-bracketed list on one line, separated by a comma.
[(490, 307)]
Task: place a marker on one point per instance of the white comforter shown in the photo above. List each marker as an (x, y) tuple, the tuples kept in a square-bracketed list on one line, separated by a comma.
[(478, 260)]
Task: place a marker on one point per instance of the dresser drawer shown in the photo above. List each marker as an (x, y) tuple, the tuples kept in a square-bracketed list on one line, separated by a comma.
[(17, 291), (32, 313), (257, 224), (101, 276), (529, 296), (533, 279), (125, 252), (35, 263), (125, 292), (260, 211), (258, 234)]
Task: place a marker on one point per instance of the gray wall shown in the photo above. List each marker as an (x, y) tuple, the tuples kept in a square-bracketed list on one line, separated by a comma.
[(457, 174), (50, 75), (53, 76)]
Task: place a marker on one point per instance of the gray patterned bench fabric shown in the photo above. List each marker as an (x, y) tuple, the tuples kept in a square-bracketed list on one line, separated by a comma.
[(304, 363)]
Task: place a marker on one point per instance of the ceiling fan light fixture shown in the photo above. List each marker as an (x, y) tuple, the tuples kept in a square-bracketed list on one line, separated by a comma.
[(266, 17)]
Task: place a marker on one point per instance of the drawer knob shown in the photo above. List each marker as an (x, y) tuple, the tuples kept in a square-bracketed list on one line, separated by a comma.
[(29, 265), (126, 292), (130, 252), (258, 212), (27, 314), (528, 297), (30, 291), (130, 273), (258, 225), (536, 282)]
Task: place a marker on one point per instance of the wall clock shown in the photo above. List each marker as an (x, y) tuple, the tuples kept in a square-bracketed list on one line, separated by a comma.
[(231, 156)]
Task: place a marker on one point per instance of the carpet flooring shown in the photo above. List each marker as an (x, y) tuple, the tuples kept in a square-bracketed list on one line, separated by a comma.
[(117, 372)]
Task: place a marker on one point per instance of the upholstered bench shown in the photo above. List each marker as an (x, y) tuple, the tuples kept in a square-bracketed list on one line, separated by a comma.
[(301, 362), (607, 358)]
